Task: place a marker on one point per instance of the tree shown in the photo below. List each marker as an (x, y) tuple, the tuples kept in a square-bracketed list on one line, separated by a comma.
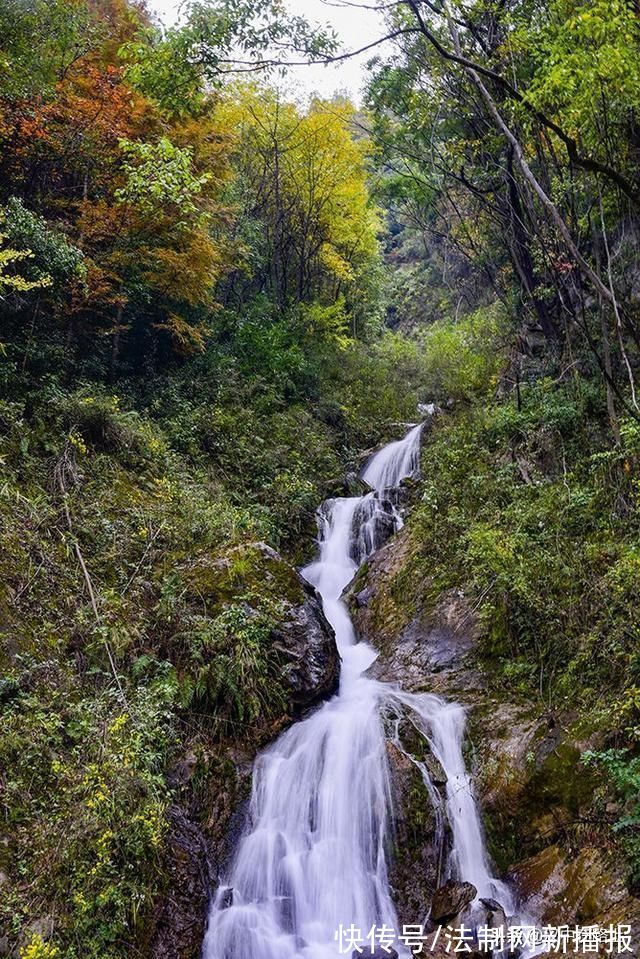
[(10, 278), (301, 185)]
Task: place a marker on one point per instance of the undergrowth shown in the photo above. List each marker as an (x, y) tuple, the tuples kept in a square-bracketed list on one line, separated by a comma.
[(529, 507)]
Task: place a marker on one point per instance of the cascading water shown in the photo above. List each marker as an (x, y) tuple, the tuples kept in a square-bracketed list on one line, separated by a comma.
[(394, 462), (443, 724), (313, 856)]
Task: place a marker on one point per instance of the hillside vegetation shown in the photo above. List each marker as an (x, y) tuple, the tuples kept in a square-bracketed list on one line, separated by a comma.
[(212, 301)]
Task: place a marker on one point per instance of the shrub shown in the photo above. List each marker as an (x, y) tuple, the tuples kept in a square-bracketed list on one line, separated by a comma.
[(235, 667), (463, 359)]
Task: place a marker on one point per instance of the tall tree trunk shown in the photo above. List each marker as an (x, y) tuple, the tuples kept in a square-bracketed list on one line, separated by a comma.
[(527, 172)]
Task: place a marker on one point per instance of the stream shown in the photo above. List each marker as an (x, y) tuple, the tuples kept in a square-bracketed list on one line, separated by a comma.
[(313, 856)]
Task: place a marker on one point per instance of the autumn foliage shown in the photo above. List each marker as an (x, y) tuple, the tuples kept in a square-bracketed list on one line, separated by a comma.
[(177, 204)]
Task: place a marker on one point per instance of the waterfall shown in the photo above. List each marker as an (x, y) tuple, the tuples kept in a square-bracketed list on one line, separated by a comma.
[(443, 724), (394, 462), (313, 855)]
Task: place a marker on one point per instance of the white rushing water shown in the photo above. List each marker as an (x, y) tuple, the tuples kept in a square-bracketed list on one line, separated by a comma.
[(313, 855)]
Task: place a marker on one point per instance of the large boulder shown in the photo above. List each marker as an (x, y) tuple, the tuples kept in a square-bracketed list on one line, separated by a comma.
[(421, 831), (302, 640), (451, 899), (308, 647)]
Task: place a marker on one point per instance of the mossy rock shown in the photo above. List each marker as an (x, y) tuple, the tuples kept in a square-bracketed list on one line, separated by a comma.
[(418, 854), (533, 781), (250, 571), (584, 886)]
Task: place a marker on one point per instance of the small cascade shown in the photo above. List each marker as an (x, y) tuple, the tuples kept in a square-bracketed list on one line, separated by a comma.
[(443, 725), (313, 854), (394, 462)]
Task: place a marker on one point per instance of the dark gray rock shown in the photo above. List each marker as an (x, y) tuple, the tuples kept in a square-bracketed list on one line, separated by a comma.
[(363, 597), (373, 524), (226, 898), (492, 905), (419, 849), (307, 645), (450, 900), (495, 916), (436, 773), (184, 769), (178, 923)]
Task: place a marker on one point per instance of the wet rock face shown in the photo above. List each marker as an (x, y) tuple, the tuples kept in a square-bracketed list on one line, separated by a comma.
[(420, 845), (373, 526), (414, 867), (304, 638), (202, 836), (423, 648), (353, 485), (362, 598), (451, 899), (578, 888), (308, 646), (179, 919)]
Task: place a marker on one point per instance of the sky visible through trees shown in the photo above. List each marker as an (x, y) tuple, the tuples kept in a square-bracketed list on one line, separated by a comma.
[(355, 28)]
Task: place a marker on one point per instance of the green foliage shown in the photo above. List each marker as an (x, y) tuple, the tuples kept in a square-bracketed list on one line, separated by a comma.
[(86, 789), (53, 255), (517, 505), (158, 174), (173, 68), (39, 41), (329, 324), (168, 485), (10, 278), (587, 70), (87, 773), (235, 672), (529, 511), (206, 358), (39, 949), (621, 771), (301, 184), (464, 359), (379, 382)]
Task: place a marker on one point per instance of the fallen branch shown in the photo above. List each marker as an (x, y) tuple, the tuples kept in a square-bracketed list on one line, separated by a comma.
[(65, 473)]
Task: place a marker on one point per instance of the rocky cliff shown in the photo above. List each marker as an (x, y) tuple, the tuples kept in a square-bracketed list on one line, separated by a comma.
[(534, 792)]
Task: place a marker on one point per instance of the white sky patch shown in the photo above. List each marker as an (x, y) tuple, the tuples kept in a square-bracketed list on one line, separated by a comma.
[(355, 28)]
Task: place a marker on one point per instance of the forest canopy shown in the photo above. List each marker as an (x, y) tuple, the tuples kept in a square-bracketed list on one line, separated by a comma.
[(147, 217)]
